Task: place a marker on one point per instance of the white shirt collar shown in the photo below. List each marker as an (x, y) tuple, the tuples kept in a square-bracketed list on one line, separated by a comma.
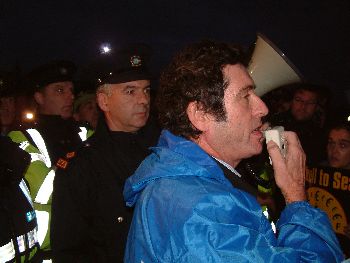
[(228, 167)]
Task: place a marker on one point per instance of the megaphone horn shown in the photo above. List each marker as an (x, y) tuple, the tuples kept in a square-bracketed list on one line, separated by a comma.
[(270, 68)]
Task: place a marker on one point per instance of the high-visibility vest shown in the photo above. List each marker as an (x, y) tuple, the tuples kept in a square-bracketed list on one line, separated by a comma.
[(40, 176), (25, 242)]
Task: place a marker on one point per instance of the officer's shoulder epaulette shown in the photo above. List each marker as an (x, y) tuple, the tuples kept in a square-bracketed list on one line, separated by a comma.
[(63, 162)]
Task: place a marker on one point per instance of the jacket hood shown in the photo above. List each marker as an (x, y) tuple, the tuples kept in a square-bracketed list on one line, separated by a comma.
[(174, 156)]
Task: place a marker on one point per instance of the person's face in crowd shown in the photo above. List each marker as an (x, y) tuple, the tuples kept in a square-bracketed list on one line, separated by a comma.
[(126, 108), (88, 112), (304, 105), (7, 111), (56, 99), (338, 148), (240, 135)]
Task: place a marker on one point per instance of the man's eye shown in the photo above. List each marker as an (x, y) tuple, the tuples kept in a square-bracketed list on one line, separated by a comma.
[(344, 145), (129, 91), (147, 90), (246, 96), (59, 90)]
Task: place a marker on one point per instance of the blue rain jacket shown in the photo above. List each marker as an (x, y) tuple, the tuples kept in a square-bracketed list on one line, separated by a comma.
[(187, 211)]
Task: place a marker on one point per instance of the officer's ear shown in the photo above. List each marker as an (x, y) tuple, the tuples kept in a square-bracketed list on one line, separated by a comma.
[(39, 97), (198, 116), (102, 101)]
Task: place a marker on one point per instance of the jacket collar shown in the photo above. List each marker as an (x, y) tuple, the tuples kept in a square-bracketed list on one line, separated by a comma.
[(174, 156)]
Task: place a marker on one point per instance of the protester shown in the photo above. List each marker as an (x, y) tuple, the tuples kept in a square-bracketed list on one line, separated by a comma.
[(338, 146), (303, 120), (190, 203), (90, 221), (338, 152)]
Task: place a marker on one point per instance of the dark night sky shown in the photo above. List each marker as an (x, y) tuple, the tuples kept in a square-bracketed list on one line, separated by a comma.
[(313, 34)]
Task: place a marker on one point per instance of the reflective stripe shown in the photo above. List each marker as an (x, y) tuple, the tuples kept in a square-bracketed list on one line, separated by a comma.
[(83, 133), (274, 229), (39, 142), (34, 156), (267, 215), (43, 224), (46, 188), (24, 145), (21, 243), (32, 237), (37, 157), (7, 252), (25, 191)]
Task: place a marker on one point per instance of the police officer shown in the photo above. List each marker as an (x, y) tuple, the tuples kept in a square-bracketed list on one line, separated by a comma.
[(52, 139), (85, 109), (8, 92), (18, 226), (90, 221)]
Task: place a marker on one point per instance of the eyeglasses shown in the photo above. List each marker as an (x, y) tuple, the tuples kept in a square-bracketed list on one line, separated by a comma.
[(305, 102)]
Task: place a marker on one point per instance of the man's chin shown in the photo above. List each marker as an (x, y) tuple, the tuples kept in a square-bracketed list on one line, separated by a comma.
[(255, 151), (66, 116)]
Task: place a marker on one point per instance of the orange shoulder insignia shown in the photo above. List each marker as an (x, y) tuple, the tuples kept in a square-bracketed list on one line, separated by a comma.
[(62, 163), (70, 155)]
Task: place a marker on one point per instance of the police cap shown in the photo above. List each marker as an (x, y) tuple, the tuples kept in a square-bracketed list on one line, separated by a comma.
[(55, 71), (127, 64), (8, 85), (82, 98)]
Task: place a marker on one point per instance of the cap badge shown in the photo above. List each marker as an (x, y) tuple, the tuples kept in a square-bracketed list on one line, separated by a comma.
[(135, 61), (63, 71)]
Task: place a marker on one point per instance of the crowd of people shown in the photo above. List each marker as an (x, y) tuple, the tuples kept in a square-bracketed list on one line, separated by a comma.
[(95, 176)]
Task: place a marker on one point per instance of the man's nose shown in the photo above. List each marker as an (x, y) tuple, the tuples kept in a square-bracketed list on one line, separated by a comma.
[(70, 95), (143, 98), (260, 108)]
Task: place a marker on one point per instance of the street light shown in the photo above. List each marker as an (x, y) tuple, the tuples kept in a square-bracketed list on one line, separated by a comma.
[(105, 48)]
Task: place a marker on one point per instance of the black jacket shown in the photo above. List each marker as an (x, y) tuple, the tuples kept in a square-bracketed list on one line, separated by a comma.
[(17, 216), (90, 221)]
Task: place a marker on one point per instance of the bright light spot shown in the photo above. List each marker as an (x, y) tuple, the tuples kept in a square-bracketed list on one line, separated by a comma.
[(105, 49), (29, 115), (349, 118)]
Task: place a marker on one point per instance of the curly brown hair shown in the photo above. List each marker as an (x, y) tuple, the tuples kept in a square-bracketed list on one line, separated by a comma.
[(196, 74)]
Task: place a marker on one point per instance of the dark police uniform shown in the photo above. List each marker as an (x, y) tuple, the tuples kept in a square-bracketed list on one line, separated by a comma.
[(18, 225), (90, 221)]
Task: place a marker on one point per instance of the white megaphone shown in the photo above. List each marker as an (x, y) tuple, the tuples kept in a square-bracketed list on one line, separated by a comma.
[(270, 68)]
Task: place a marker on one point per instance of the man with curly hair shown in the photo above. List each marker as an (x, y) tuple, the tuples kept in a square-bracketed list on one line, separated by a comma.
[(191, 205)]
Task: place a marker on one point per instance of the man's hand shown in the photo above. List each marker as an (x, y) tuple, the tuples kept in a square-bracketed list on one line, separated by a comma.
[(289, 170)]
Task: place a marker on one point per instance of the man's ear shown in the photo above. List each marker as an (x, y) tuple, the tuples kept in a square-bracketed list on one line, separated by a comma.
[(39, 97), (197, 116), (102, 101)]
